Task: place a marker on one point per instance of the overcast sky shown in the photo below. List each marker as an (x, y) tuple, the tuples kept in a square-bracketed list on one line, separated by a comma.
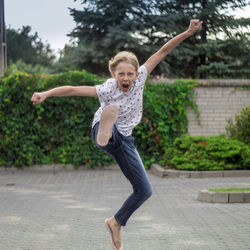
[(50, 18)]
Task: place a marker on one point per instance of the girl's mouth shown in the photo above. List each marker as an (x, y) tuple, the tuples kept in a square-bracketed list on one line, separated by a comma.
[(125, 86)]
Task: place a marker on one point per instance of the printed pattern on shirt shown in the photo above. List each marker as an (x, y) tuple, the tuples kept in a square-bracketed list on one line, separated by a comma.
[(129, 103)]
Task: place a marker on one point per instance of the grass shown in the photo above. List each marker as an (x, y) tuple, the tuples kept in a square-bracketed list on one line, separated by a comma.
[(229, 190)]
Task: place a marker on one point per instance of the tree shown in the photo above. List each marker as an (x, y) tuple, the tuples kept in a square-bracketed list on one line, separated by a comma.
[(21, 45), (222, 47), (105, 27)]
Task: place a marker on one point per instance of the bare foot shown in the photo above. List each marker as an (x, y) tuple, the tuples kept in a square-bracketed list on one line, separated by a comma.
[(115, 229)]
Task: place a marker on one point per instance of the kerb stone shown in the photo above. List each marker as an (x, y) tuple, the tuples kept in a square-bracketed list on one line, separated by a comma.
[(171, 173), (210, 174), (196, 174), (184, 174), (236, 173), (157, 170), (205, 195), (220, 197), (236, 197), (246, 197)]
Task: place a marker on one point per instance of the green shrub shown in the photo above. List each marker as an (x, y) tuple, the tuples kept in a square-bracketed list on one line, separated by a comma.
[(211, 153), (240, 129), (56, 131), (164, 117), (59, 130), (19, 65)]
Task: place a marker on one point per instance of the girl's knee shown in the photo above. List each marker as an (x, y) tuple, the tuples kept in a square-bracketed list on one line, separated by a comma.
[(147, 192)]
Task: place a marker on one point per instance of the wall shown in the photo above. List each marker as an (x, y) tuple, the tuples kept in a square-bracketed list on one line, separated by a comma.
[(218, 101)]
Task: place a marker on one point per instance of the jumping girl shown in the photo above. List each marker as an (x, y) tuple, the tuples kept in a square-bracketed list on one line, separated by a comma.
[(119, 112)]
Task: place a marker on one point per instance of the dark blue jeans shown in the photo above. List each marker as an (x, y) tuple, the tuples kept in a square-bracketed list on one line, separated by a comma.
[(123, 150)]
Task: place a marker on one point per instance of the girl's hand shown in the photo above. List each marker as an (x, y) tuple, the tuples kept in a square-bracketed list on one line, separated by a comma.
[(194, 26), (38, 97)]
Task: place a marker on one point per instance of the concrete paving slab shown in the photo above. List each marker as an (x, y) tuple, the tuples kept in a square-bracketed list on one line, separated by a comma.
[(66, 211)]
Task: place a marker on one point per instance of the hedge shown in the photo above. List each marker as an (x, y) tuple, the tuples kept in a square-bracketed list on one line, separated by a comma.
[(207, 153), (59, 130)]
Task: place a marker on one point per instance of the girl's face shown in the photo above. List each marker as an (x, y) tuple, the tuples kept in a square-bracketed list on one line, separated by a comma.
[(125, 75)]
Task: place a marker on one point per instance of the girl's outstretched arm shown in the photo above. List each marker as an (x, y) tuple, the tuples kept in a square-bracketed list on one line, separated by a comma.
[(39, 97), (155, 59)]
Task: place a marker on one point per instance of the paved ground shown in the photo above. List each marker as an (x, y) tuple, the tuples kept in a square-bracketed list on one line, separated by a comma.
[(40, 210)]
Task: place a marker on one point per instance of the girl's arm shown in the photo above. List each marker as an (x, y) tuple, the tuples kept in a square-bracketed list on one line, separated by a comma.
[(155, 59), (39, 97)]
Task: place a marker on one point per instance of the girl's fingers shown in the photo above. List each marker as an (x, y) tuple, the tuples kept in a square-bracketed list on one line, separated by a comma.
[(33, 97)]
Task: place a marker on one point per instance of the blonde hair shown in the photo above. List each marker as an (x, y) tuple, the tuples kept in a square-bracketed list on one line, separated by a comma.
[(123, 56)]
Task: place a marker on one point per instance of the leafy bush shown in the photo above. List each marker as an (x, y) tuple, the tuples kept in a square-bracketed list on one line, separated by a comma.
[(164, 117), (211, 153), (59, 130), (240, 129), (19, 65), (56, 131)]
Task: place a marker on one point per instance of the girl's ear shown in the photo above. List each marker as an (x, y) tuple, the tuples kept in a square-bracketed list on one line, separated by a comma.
[(113, 74)]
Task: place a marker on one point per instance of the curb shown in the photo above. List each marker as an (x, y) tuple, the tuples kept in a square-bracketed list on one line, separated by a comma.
[(53, 168), (171, 173), (215, 197)]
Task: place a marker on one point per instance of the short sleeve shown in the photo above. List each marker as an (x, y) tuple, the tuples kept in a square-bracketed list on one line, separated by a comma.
[(105, 90), (143, 74)]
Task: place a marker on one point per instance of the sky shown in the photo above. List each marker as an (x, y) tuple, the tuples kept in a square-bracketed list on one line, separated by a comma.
[(51, 18)]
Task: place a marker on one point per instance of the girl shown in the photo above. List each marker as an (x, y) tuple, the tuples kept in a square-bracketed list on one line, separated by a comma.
[(120, 111)]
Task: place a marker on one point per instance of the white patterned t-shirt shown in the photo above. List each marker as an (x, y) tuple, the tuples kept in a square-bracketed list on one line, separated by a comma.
[(129, 103)]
